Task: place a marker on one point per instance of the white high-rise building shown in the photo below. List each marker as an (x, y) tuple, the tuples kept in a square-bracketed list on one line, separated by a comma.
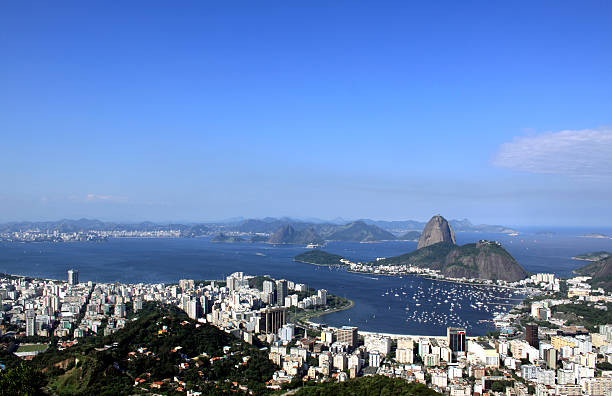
[(322, 293), (374, 359), (73, 277)]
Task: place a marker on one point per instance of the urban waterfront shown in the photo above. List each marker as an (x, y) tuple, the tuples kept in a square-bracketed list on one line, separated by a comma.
[(382, 303)]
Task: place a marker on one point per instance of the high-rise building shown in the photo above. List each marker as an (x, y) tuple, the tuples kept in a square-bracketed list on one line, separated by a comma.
[(73, 277), (231, 283), (322, 293), (531, 335), (281, 291), (268, 286), (186, 284), (194, 308), (550, 355), (30, 323), (287, 332), (271, 319), (457, 341), (347, 334)]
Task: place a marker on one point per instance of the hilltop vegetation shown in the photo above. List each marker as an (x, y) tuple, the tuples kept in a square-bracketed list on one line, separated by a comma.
[(371, 386), (600, 271), (594, 256), (160, 345), (227, 238)]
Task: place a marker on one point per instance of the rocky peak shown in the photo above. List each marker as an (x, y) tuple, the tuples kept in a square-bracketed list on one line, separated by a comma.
[(437, 230)]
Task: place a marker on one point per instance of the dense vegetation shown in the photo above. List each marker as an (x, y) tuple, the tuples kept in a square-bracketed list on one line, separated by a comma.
[(585, 315), (594, 256), (366, 386), (486, 260), (160, 344), (600, 271), (21, 379), (221, 237), (319, 257)]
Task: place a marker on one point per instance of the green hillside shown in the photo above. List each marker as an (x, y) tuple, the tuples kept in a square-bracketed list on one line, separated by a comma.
[(161, 344), (484, 260), (371, 386)]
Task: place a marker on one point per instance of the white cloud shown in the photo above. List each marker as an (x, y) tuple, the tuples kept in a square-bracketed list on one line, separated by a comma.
[(585, 152), (104, 198)]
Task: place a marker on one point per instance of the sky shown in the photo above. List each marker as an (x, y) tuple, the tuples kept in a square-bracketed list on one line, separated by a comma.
[(500, 112)]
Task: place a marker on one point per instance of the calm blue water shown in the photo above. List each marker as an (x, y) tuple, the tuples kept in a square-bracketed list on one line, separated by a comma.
[(167, 260)]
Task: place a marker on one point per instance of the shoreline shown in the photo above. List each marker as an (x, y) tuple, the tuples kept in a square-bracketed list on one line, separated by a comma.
[(305, 318), (450, 280)]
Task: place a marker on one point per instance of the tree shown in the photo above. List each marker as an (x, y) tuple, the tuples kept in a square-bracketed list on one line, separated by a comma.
[(21, 380)]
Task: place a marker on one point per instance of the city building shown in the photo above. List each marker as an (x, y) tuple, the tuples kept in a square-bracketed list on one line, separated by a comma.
[(531, 335), (281, 291), (347, 334), (457, 341), (73, 277)]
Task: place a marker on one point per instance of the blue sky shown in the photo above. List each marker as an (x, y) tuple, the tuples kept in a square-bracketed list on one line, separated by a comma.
[(501, 113)]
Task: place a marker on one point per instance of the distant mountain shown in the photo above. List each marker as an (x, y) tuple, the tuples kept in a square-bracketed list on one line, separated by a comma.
[(398, 226), (266, 225), (437, 230), (85, 225), (484, 260), (410, 236), (360, 231), (466, 226), (193, 230), (227, 238), (287, 234), (259, 238), (401, 226)]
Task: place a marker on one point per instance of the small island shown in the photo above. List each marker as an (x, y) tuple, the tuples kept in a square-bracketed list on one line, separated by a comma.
[(319, 257), (224, 238), (595, 235), (594, 256)]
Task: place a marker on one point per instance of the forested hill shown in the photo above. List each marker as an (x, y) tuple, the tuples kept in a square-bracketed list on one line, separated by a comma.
[(375, 385), (600, 271), (160, 345), (484, 260)]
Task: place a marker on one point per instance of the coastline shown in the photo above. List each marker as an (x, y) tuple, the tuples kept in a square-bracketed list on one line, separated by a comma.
[(307, 316)]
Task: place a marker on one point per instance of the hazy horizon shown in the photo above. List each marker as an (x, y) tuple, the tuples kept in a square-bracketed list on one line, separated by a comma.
[(499, 113)]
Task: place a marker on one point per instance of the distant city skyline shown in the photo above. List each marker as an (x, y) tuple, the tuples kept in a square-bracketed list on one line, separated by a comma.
[(133, 112)]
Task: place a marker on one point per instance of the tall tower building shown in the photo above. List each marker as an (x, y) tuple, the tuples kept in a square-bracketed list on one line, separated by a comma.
[(73, 277), (457, 341), (281, 292), (30, 323), (531, 335)]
